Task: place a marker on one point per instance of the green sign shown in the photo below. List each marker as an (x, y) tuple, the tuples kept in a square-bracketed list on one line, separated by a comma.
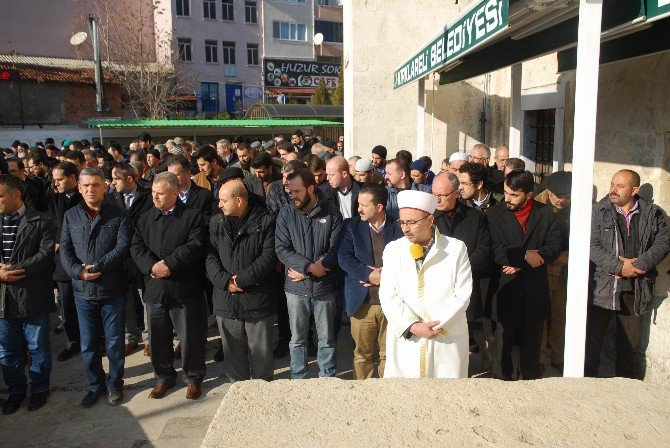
[(475, 26), (657, 8)]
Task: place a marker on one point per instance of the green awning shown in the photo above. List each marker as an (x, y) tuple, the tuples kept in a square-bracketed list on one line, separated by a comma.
[(523, 43), (111, 124)]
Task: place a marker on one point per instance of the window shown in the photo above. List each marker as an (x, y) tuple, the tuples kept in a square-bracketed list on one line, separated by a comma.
[(229, 59), (250, 12), (211, 51), (252, 54), (228, 12), (545, 121), (209, 9), (296, 1), (184, 8), (210, 96), (332, 31), (289, 31), (184, 49), (329, 2)]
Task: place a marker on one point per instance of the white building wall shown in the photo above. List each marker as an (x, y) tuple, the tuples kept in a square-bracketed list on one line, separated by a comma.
[(291, 12)]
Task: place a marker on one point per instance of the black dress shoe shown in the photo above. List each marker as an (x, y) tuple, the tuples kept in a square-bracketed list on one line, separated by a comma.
[(37, 400), (13, 403), (218, 355), (114, 397), (90, 398), (68, 352)]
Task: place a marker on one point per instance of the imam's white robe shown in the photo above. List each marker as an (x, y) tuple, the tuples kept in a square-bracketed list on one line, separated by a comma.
[(440, 291)]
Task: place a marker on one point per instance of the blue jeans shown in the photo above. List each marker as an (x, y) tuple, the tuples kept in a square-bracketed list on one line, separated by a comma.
[(35, 331), (95, 318), (299, 310)]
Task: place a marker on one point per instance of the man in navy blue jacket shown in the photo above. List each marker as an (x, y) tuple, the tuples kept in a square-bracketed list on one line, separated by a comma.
[(360, 255), (93, 248)]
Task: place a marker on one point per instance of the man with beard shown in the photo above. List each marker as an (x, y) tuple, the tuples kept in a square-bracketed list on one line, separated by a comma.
[(629, 239), (264, 174), (398, 178), (425, 289), (525, 239), (245, 155), (472, 187), (306, 239), (301, 146)]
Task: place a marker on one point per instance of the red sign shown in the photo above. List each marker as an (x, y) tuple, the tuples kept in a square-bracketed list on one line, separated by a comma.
[(9, 75)]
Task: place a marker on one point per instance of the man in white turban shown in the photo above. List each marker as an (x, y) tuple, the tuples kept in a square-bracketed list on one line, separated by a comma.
[(424, 292)]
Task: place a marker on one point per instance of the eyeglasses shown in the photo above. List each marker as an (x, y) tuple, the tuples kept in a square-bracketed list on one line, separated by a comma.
[(411, 222), (478, 159), (444, 196)]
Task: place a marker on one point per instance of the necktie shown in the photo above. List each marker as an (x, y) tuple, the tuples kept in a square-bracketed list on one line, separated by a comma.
[(127, 198)]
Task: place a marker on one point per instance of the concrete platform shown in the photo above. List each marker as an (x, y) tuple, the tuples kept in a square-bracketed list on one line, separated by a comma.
[(553, 412)]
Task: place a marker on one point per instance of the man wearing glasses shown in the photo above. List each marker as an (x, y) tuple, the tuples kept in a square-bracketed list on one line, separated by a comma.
[(425, 289), (481, 155), (467, 224)]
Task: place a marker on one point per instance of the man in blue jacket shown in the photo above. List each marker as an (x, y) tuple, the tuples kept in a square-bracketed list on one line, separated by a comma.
[(360, 255), (93, 248), (306, 240)]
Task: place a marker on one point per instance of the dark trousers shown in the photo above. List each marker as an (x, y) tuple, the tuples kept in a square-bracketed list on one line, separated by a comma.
[(627, 337), (13, 334), (247, 346), (283, 327), (98, 318), (189, 321), (529, 338), (70, 319)]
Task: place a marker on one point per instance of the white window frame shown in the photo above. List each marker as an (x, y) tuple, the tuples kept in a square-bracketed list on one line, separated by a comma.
[(209, 5), (229, 69), (228, 9), (289, 31), (185, 41), (248, 8), (212, 51), (186, 3), (250, 48)]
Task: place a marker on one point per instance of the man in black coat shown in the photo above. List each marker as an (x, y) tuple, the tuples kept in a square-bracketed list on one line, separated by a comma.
[(343, 190), (136, 199), (525, 238), (192, 195), (26, 296), (65, 197), (241, 262), (469, 225), (167, 247)]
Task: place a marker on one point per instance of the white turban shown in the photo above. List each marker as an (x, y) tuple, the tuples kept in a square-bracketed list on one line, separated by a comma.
[(419, 200), (458, 156)]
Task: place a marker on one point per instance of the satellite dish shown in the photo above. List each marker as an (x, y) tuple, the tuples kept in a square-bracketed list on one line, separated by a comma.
[(318, 39), (78, 38)]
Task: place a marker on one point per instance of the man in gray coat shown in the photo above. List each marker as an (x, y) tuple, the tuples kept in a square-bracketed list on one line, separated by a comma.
[(306, 239), (629, 238)]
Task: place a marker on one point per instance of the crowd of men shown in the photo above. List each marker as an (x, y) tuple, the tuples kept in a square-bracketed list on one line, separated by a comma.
[(272, 241)]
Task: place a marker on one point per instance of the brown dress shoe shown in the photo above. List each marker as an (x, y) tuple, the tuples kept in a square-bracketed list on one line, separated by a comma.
[(159, 391), (130, 348), (177, 353), (147, 350), (193, 391)]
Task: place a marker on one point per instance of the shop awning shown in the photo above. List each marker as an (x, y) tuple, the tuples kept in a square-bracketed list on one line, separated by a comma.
[(152, 124), (265, 110), (630, 28)]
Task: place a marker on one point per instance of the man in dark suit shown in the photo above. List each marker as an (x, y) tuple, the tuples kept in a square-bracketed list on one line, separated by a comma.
[(65, 197), (525, 239), (454, 219), (167, 246), (191, 194), (136, 199), (360, 256)]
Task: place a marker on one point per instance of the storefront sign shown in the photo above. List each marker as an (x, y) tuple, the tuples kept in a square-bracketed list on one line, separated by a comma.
[(290, 73), (474, 27), (657, 9)]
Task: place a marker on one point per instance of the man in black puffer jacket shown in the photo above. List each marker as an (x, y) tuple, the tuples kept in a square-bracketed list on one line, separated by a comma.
[(306, 240), (241, 261)]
